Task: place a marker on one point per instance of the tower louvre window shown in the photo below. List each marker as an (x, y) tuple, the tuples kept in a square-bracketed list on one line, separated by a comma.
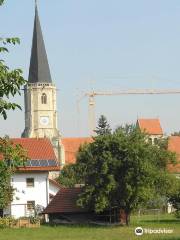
[(44, 98)]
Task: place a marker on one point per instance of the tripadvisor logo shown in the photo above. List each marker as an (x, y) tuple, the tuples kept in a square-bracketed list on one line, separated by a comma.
[(139, 231)]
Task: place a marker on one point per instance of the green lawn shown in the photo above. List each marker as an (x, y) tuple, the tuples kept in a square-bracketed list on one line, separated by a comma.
[(99, 233)]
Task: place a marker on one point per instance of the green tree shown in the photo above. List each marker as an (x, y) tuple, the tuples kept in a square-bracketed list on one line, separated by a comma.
[(166, 185), (11, 156), (6, 191), (68, 176), (103, 126), (174, 198), (122, 170)]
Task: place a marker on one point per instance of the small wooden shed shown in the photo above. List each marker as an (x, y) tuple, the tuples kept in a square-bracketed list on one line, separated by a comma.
[(63, 207)]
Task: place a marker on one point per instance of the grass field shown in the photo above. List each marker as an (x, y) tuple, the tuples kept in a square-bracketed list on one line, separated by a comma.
[(99, 233)]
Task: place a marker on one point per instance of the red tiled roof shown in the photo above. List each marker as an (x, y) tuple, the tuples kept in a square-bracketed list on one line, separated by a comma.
[(64, 202), (150, 126), (174, 146), (37, 149), (71, 146)]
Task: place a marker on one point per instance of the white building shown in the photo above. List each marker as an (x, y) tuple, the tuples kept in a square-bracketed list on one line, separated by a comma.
[(32, 183)]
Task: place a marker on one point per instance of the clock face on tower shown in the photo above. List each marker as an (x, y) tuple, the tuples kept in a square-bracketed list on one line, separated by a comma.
[(44, 120)]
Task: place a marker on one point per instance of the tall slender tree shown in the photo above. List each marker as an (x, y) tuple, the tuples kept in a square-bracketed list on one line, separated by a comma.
[(103, 126)]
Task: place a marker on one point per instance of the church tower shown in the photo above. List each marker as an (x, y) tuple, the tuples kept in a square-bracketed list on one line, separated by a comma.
[(40, 92)]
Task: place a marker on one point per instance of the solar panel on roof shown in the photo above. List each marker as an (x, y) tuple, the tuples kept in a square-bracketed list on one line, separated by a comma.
[(35, 163), (52, 163), (44, 163), (32, 163), (41, 163)]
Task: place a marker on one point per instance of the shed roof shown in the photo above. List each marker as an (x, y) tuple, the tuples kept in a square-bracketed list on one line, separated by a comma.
[(65, 202)]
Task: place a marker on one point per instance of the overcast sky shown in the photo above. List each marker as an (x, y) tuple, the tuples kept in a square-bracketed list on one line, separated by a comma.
[(104, 45)]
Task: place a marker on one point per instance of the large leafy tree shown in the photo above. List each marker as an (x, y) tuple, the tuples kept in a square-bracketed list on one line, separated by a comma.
[(11, 156), (122, 170), (68, 176)]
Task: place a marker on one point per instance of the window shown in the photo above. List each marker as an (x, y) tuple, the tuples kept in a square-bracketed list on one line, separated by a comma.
[(44, 98), (30, 205), (30, 182), (156, 141), (150, 140)]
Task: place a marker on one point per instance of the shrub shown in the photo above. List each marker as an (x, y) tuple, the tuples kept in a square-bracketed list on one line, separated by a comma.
[(6, 222), (34, 220), (177, 213)]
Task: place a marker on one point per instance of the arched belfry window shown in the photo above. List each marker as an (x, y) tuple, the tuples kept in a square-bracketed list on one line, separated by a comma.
[(44, 98)]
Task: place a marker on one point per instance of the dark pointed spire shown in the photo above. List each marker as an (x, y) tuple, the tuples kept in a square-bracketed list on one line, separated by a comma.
[(39, 68)]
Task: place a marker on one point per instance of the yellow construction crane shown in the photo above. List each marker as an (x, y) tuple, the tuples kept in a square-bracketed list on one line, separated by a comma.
[(91, 99)]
